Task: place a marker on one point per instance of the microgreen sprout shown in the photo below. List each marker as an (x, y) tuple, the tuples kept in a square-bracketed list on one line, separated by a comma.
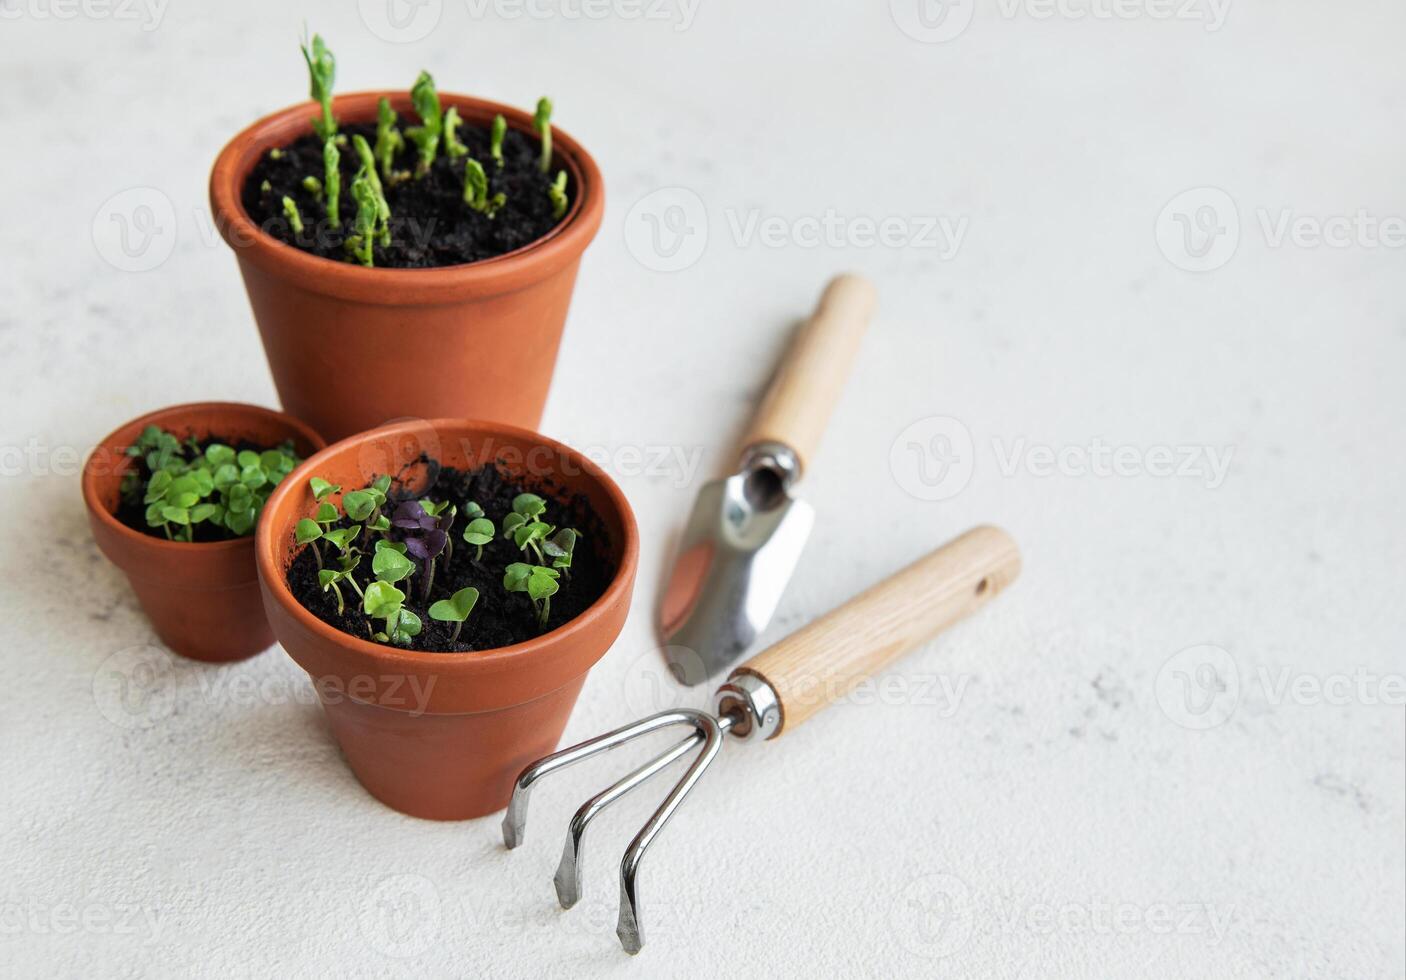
[(332, 182), (425, 136), (388, 139), (187, 486), (321, 488), (523, 526), (478, 532), (455, 610), (423, 538), (495, 138), (389, 563), (557, 194), (384, 601), (559, 548), (368, 212), (538, 581), (313, 186), (452, 144), (322, 70), (542, 122), (331, 578), (476, 190), (290, 211)]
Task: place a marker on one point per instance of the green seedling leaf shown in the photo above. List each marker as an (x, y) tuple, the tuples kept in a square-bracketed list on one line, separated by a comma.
[(253, 476), (542, 122), (388, 139), (479, 532), (382, 484), (175, 515), (203, 512), (529, 505), (456, 608), (306, 530), (472, 510), (397, 546), (247, 457), (322, 72), (511, 523), (328, 579), (326, 513), (343, 537), (157, 486), (218, 454), (321, 488), (389, 565), (542, 583), (405, 626), (425, 136), (240, 522), (358, 504), (381, 600), (495, 139), (515, 576), (226, 476)]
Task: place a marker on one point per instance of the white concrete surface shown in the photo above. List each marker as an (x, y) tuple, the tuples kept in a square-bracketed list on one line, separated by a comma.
[(1174, 749)]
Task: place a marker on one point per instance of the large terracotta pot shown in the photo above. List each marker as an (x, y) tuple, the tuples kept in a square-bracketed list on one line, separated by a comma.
[(202, 598), (444, 735), (341, 339)]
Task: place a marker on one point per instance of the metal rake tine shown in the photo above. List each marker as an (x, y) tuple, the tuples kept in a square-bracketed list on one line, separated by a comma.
[(628, 927), (515, 820), (568, 876)]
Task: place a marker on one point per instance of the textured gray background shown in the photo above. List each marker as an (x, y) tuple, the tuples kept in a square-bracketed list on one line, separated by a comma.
[(1136, 770)]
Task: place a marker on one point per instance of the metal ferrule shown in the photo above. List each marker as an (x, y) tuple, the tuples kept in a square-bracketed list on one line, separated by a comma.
[(753, 703), (777, 457)]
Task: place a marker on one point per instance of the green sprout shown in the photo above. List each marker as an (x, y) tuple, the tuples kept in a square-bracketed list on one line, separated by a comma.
[(188, 486), (557, 195), (290, 211), (495, 138), (322, 69), (523, 526), (332, 181), (478, 532), (476, 190), (455, 610), (559, 548), (308, 531), (388, 139), (312, 185), (452, 144), (539, 582), (542, 122), (368, 214), (368, 170), (389, 563), (426, 135), (384, 601), (321, 488)]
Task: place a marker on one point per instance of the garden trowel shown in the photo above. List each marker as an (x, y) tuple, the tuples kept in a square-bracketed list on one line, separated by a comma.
[(746, 532)]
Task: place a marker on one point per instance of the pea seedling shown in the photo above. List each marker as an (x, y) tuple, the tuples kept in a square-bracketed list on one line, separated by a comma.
[(557, 195), (388, 140), (455, 610), (542, 122), (495, 138), (452, 144), (476, 190), (290, 211), (322, 70), (425, 136), (538, 581), (332, 182), (368, 213)]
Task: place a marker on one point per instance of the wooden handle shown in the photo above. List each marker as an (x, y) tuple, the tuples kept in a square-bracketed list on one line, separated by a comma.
[(808, 382), (824, 661)]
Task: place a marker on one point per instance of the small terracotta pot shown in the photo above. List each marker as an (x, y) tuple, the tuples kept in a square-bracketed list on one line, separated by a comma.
[(444, 735), (342, 340), (202, 597)]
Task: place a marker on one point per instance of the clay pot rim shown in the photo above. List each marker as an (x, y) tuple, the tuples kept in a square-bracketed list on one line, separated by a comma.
[(168, 418), (267, 553), (388, 286)]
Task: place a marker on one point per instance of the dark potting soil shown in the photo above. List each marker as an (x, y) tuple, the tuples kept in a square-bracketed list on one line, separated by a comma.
[(499, 618), (131, 510), (430, 223)]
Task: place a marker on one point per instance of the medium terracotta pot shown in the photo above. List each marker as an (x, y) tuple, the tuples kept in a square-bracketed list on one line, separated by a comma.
[(202, 598), (444, 735), (342, 340)]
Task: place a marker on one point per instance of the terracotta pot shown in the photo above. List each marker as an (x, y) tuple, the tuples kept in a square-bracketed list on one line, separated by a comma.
[(340, 338), (443, 735), (202, 598)]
